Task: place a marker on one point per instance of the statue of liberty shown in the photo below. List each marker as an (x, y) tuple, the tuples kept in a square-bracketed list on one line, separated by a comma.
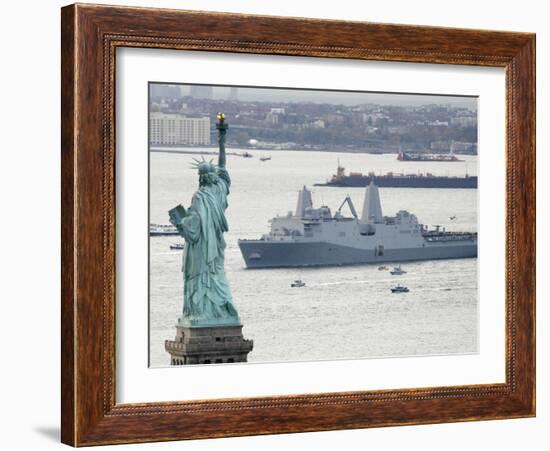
[(206, 296)]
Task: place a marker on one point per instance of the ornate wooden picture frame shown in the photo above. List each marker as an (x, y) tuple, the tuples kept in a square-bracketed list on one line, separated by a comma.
[(90, 37)]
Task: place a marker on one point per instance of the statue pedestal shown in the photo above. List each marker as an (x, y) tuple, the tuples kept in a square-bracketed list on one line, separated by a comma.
[(208, 344)]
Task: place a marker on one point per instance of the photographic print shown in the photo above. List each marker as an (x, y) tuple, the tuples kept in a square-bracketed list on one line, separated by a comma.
[(299, 225), (292, 206)]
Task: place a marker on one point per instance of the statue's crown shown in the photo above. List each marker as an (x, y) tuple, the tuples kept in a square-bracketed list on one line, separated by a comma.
[(206, 167), (203, 166)]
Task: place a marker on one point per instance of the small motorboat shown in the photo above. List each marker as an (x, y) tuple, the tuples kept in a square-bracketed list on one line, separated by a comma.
[(177, 246), (246, 155), (382, 268), (397, 271), (265, 158), (399, 289), (298, 283)]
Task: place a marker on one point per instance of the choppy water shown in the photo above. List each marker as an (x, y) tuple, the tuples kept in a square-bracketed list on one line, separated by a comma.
[(343, 312)]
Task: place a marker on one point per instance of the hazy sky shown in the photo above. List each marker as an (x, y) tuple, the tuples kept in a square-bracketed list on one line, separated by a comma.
[(339, 97)]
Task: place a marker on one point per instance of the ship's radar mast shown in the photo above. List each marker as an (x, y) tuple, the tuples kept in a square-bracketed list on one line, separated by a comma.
[(340, 170), (372, 210), (304, 201)]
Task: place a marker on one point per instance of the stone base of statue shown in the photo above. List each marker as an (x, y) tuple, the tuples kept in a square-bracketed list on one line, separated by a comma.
[(210, 343)]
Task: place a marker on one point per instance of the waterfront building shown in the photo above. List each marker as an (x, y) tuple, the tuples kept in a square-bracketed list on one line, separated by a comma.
[(177, 129)]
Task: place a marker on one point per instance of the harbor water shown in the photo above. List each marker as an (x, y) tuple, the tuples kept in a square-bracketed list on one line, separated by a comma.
[(344, 312)]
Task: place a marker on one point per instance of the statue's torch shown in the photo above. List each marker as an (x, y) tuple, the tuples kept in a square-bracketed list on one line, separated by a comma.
[(221, 126)]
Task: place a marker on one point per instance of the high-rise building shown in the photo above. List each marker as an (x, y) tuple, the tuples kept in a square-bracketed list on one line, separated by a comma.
[(201, 92), (177, 129), (165, 91), (234, 93)]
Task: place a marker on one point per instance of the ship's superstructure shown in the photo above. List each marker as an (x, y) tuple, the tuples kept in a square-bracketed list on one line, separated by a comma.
[(429, 157), (316, 237)]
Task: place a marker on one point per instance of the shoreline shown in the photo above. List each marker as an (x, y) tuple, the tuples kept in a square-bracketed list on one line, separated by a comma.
[(214, 151)]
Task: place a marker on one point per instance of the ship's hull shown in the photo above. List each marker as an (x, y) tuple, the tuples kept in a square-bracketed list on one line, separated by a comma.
[(423, 159), (275, 254), (404, 182), (165, 233)]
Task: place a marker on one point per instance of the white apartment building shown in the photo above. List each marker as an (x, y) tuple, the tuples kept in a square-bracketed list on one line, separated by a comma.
[(464, 121), (174, 129)]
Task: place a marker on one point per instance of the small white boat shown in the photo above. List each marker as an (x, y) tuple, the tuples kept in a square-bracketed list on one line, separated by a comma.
[(382, 268), (397, 271), (162, 230), (177, 246), (297, 284), (399, 289)]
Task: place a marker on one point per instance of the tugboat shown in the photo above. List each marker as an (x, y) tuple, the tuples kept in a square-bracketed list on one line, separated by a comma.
[(397, 271), (297, 284), (399, 289), (177, 246)]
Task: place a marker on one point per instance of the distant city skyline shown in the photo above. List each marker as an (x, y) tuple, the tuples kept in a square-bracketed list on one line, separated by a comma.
[(348, 98)]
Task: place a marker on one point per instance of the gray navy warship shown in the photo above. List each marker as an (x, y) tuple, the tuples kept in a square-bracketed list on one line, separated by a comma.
[(316, 237)]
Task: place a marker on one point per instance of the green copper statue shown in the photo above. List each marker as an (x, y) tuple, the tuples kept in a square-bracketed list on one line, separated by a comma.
[(206, 295)]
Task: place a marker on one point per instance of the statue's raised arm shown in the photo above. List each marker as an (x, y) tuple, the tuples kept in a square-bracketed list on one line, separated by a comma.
[(222, 130)]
